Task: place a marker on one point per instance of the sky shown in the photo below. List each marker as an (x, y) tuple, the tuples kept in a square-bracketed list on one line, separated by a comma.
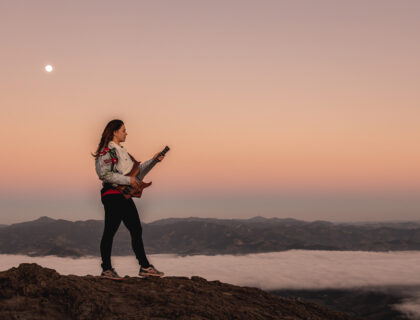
[(292, 269), (302, 109)]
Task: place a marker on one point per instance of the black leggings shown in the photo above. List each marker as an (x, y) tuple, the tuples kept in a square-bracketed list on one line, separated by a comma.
[(117, 209)]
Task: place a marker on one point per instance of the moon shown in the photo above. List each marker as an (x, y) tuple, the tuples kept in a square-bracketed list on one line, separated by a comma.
[(48, 68)]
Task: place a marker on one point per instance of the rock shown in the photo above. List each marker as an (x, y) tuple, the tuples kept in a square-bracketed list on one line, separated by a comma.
[(34, 292)]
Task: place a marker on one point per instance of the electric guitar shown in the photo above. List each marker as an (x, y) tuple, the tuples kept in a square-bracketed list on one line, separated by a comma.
[(129, 191)]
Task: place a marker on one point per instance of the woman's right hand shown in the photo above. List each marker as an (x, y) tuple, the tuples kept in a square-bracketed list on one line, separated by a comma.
[(134, 183)]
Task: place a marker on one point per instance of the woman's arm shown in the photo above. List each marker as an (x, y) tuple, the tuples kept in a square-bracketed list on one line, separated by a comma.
[(103, 169), (145, 164)]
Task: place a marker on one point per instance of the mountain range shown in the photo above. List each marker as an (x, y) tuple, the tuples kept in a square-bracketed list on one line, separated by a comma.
[(207, 236)]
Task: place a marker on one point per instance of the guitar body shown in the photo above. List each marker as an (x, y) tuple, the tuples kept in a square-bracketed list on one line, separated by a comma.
[(129, 191)]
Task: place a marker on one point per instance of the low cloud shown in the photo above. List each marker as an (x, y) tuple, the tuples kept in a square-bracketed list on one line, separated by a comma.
[(294, 269)]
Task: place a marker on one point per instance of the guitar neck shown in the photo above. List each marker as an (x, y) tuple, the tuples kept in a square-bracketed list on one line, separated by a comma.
[(162, 153)]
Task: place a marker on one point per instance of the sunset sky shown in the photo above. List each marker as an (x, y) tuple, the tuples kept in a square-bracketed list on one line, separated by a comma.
[(301, 109)]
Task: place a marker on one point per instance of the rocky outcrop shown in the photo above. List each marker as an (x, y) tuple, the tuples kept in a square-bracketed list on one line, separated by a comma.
[(33, 292)]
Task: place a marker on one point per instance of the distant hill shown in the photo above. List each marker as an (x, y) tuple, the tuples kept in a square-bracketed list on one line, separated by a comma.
[(369, 303), (190, 236), (33, 292)]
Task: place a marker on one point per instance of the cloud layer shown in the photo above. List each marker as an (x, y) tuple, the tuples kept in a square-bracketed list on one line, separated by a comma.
[(294, 269)]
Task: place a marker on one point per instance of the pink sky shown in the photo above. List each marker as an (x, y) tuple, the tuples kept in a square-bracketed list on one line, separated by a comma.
[(252, 97)]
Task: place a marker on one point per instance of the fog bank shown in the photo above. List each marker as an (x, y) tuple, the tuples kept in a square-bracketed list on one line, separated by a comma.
[(294, 269)]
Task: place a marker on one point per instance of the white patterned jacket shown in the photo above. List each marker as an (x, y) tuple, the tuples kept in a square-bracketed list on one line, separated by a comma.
[(114, 163)]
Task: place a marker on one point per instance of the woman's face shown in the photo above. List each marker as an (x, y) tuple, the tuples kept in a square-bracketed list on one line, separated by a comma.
[(120, 134)]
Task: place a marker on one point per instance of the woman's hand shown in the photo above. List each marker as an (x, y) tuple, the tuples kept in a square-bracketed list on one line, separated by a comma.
[(134, 183), (159, 158)]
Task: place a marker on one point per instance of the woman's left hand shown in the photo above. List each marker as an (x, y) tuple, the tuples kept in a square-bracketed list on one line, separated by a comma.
[(159, 158)]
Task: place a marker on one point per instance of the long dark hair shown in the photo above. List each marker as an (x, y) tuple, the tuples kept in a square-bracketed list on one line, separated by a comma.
[(108, 135)]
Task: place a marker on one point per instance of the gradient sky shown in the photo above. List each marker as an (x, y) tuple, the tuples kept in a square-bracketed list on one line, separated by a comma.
[(304, 109)]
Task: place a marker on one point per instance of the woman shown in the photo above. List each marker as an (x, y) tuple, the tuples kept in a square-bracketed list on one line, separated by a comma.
[(112, 162)]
